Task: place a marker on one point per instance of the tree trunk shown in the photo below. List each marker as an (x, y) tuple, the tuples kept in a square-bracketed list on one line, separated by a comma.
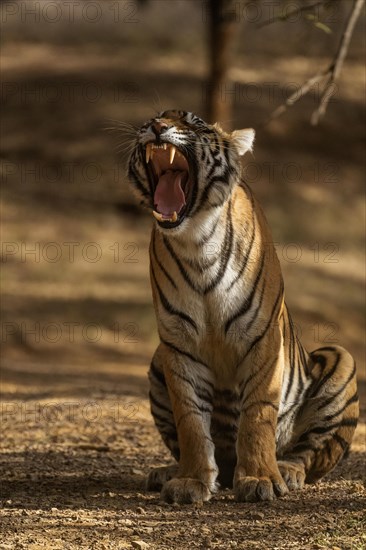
[(222, 22)]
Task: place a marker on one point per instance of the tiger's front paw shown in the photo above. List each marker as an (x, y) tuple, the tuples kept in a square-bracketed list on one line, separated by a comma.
[(253, 489), (293, 474), (185, 490)]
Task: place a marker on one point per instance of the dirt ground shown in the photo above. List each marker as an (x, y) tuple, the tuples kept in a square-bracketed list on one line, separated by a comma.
[(78, 329), (73, 477)]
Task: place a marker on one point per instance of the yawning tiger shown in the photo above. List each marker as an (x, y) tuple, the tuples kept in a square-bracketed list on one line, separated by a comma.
[(233, 393)]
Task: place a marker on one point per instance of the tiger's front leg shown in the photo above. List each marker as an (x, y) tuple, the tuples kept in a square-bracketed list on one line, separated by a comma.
[(190, 389), (257, 476)]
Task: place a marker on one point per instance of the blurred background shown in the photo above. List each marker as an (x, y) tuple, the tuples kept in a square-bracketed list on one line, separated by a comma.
[(76, 303)]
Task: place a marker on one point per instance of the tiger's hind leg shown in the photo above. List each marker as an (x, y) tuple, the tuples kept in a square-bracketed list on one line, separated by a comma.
[(326, 422)]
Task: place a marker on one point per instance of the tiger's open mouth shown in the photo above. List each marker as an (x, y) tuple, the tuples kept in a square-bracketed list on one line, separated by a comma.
[(169, 174)]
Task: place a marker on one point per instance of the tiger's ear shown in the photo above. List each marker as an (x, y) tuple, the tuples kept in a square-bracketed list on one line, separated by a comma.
[(243, 140)]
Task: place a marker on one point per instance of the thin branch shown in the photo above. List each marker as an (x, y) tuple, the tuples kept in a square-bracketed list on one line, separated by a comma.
[(298, 94), (336, 67), (329, 75), (297, 11)]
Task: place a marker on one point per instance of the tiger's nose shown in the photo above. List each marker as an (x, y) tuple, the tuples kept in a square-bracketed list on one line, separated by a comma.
[(158, 127)]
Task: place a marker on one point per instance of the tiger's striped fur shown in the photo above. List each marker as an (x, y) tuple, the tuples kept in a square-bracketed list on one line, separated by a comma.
[(233, 393)]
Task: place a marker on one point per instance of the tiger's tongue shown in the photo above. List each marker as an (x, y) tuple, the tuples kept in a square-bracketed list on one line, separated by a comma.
[(169, 196)]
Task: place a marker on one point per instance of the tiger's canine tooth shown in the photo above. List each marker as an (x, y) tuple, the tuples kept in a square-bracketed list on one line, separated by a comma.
[(172, 153), (158, 216), (148, 152), (174, 217)]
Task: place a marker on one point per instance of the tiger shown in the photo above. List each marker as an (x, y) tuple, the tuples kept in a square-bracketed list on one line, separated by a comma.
[(236, 398)]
